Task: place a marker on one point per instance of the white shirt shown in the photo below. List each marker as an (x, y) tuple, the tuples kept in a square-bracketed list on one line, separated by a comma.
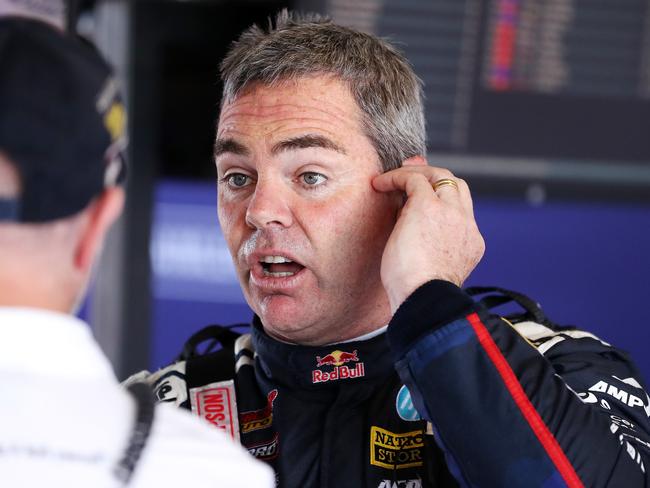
[(65, 421)]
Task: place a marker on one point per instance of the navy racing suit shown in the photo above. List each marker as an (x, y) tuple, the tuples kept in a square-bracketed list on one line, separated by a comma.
[(450, 395)]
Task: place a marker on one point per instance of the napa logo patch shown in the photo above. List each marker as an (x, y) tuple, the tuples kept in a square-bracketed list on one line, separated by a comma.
[(396, 451), (404, 405)]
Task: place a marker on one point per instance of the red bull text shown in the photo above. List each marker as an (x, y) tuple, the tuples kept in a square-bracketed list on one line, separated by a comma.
[(337, 360)]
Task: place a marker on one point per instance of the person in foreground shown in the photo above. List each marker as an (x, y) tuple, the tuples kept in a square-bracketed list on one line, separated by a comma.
[(64, 419), (367, 364)]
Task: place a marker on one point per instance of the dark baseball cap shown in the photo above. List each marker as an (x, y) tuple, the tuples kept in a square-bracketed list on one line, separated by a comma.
[(62, 122)]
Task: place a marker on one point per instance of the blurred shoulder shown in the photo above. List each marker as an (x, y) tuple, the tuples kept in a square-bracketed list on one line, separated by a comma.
[(184, 448)]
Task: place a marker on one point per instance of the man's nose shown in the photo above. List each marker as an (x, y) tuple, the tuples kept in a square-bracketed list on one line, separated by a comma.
[(268, 206)]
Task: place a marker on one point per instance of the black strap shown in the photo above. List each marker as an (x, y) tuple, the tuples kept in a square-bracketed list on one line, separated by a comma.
[(144, 416), (209, 355), (215, 334), (495, 296)]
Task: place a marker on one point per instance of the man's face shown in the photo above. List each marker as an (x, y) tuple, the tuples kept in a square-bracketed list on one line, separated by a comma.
[(305, 228)]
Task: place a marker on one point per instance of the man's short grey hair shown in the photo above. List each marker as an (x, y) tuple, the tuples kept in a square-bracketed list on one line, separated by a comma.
[(382, 81)]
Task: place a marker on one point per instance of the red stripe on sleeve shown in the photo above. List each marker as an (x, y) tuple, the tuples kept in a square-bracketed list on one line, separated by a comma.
[(546, 438)]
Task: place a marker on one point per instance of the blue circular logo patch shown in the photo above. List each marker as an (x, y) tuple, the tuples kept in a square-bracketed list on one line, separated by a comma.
[(404, 405)]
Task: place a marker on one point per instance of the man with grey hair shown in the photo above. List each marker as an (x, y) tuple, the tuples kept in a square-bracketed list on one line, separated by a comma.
[(64, 420), (367, 364)]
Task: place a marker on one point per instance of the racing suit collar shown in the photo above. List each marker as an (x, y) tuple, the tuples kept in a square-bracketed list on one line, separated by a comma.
[(321, 366)]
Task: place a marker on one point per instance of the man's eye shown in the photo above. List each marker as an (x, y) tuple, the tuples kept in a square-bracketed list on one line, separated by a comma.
[(313, 179), (237, 180)]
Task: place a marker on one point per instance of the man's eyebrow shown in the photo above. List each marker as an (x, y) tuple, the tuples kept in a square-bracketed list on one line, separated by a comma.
[(222, 146), (306, 141)]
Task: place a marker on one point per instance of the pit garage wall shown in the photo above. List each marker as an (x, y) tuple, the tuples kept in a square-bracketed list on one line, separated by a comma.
[(587, 263)]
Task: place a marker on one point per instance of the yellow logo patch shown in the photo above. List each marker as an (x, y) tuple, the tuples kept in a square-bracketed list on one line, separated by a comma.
[(396, 451)]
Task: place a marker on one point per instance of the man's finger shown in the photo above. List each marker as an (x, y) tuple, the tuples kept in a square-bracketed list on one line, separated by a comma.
[(465, 195), (410, 182), (431, 173), (441, 184)]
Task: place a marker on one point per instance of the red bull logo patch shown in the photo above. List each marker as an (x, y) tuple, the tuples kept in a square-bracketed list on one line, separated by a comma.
[(337, 360)]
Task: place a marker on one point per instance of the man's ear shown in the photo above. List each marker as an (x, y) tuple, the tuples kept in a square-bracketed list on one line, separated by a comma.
[(415, 161), (102, 213)]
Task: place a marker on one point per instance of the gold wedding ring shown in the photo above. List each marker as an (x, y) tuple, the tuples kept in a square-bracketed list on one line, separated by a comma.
[(444, 182)]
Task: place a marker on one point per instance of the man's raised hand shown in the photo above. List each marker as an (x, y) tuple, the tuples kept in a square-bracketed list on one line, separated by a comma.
[(435, 236)]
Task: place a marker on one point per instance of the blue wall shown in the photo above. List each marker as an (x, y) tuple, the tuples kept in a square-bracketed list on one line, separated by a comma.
[(586, 263)]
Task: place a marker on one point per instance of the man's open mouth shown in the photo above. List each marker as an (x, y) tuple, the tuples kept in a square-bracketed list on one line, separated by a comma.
[(279, 266)]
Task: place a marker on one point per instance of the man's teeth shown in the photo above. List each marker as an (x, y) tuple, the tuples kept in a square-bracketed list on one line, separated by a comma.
[(275, 259), (278, 275)]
